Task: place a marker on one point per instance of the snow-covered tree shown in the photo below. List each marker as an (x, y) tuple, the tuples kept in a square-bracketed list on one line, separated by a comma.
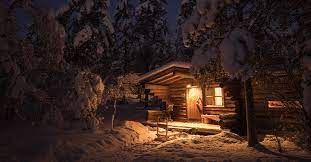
[(37, 82), (306, 55), (186, 9), (151, 34), (124, 19), (42, 35), (248, 34), (88, 34)]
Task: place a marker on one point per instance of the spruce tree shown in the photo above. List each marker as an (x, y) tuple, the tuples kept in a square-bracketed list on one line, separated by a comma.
[(88, 34), (186, 9), (123, 41), (151, 35)]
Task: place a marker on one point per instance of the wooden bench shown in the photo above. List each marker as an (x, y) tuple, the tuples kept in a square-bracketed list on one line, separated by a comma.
[(210, 119)]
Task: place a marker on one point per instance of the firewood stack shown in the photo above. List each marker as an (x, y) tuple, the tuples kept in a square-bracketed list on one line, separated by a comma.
[(230, 121)]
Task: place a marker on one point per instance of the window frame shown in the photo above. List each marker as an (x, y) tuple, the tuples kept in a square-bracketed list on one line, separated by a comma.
[(214, 97)]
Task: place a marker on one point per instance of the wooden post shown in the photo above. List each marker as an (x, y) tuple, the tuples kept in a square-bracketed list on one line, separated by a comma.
[(250, 117), (158, 118), (203, 97), (146, 97), (166, 128)]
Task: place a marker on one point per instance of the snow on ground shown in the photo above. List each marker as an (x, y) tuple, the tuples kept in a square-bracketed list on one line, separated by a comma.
[(131, 141), (221, 147), (37, 143)]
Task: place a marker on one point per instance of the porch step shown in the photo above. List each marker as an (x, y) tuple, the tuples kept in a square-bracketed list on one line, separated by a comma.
[(196, 128)]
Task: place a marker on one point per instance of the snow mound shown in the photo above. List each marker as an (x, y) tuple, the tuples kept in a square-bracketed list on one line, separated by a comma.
[(227, 137), (132, 132), (287, 144)]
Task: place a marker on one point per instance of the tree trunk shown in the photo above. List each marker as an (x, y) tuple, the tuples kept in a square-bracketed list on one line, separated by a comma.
[(250, 117), (114, 113), (204, 102)]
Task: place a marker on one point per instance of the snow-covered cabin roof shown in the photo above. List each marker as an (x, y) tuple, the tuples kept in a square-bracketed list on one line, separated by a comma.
[(171, 65)]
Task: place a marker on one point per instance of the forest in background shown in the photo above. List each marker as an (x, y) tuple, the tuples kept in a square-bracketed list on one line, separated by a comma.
[(64, 66)]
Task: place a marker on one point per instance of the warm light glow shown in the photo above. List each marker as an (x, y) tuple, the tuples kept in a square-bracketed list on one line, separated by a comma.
[(218, 91), (189, 86), (218, 101), (218, 96), (194, 93)]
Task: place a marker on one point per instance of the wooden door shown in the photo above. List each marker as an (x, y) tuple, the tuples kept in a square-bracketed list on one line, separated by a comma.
[(193, 95)]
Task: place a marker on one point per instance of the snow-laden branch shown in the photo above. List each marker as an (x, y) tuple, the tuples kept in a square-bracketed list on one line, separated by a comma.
[(235, 49)]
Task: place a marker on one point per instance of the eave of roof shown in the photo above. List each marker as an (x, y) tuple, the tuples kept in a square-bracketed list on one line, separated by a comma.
[(177, 64)]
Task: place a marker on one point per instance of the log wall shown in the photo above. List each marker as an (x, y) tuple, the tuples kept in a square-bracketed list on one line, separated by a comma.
[(280, 88), (177, 95), (231, 99)]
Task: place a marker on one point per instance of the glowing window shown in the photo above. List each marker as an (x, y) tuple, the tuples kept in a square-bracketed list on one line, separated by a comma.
[(214, 97)]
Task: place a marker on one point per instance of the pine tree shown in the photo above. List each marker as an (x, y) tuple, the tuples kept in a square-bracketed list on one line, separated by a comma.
[(123, 42), (89, 34), (151, 35), (186, 9)]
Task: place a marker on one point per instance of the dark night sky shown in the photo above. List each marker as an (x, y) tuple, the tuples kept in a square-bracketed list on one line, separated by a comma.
[(173, 8)]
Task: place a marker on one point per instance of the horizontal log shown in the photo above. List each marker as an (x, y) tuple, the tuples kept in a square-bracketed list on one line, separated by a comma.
[(180, 116), (219, 108), (181, 111), (184, 75), (180, 107), (216, 112), (178, 96), (230, 105), (228, 122), (159, 94), (159, 90), (176, 100), (154, 86), (228, 116)]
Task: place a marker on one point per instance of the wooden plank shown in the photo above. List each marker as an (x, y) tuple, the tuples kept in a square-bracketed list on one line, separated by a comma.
[(180, 104), (178, 96), (159, 90), (184, 75), (169, 80), (154, 86), (162, 77), (159, 93), (173, 80)]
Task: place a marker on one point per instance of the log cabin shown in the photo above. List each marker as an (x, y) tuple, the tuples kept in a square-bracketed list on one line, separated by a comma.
[(218, 103)]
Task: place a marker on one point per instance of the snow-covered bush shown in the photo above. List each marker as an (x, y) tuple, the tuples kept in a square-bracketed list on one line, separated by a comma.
[(128, 84), (87, 96)]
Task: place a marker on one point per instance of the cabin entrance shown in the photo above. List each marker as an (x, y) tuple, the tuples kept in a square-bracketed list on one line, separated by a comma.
[(194, 103)]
